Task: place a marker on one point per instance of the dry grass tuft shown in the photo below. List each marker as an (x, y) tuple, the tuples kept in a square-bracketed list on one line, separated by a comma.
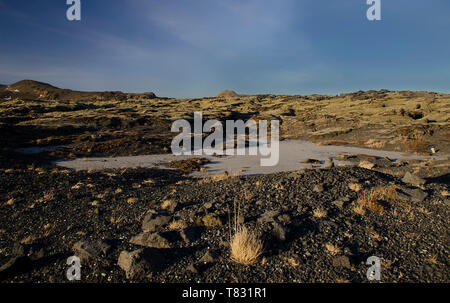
[(356, 187), (333, 249), (245, 245), (372, 143), (424, 211), (293, 262), (132, 200), (167, 204), (371, 201), (432, 260), (220, 177), (28, 240), (177, 225), (375, 200), (320, 213), (116, 218), (209, 221), (359, 209), (149, 181), (389, 193)]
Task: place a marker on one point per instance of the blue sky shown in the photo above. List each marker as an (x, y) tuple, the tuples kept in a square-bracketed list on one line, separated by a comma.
[(195, 48)]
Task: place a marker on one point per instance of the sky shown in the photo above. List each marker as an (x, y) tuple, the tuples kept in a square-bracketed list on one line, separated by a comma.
[(196, 48)]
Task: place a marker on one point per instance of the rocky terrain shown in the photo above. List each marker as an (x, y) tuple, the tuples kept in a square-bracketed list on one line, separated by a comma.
[(154, 225)]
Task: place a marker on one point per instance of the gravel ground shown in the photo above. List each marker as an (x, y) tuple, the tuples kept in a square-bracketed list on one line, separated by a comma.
[(45, 211)]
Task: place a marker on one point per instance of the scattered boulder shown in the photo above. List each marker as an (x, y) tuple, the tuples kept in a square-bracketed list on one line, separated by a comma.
[(133, 263), (413, 180), (154, 240), (87, 250), (415, 194), (152, 221), (139, 263), (366, 164)]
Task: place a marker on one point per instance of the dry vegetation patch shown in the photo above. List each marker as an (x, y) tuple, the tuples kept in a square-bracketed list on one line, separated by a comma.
[(377, 199)]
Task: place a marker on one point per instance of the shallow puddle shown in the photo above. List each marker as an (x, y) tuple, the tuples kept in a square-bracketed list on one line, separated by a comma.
[(292, 153)]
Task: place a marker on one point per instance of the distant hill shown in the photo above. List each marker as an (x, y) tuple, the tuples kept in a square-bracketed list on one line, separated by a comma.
[(30, 89), (2, 87), (227, 94)]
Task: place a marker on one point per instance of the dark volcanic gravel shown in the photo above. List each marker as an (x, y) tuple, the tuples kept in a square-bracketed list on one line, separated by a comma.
[(44, 211)]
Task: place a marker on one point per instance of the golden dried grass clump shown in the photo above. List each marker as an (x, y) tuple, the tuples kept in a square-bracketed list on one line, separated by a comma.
[(220, 177), (167, 204), (376, 199), (333, 249), (245, 246), (320, 213)]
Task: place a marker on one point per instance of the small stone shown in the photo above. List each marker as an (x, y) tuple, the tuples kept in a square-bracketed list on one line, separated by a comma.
[(19, 250), (207, 258), (328, 164)]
